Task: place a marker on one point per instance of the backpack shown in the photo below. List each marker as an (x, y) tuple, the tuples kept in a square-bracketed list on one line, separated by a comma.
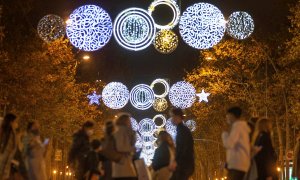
[(109, 149)]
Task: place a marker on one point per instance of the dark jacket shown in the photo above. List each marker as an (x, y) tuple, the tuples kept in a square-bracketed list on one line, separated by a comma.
[(92, 163), (184, 151), (266, 158), (161, 157), (78, 153)]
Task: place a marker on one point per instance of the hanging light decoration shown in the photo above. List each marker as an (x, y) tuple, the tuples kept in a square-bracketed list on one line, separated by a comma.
[(160, 104), (166, 41), (182, 95), (240, 25), (51, 27)]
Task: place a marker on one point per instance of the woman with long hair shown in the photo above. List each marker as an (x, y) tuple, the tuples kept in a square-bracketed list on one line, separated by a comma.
[(8, 145), (266, 158), (164, 163)]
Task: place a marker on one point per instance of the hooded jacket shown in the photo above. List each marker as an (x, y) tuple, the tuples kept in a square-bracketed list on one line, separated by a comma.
[(237, 144)]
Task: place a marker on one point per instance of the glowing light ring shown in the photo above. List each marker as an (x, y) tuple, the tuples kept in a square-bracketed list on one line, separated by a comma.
[(240, 25), (94, 98), (147, 127), (142, 97), (191, 124), (163, 118), (134, 29), (89, 28), (160, 105), (170, 128), (165, 41), (182, 95), (134, 124), (164, 83), (51, 27), (148, 140), (115, 95), (176, 13), (202, 26)]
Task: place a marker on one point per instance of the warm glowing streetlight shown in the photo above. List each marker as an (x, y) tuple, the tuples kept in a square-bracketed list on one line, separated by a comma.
[(209, 58), (86, 57), (68, 21), (54, 171), (278, 169)]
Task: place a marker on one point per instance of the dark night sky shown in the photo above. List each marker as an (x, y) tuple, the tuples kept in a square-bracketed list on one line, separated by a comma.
[(113, 63)]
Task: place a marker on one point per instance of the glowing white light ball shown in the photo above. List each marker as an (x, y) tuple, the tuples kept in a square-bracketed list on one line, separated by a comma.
[(182, 95), (202, 25), (147, 127), (134, 29), (89, 28), (115, 95), (51, 27), (240, 25), (171, 128), (142, 97)]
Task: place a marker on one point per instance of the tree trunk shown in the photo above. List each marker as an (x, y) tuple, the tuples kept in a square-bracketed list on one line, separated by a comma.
[(281, 147)]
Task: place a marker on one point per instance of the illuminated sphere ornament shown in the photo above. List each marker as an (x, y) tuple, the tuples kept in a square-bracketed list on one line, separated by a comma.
[(176, 13), (134, 124), (202, 26), (160, 104), (162, 118), (51, 27), (191, 124), (240, 25), (182, 95), (164, 83), (142, 97), (134, 29), (147, 127), (166, 41), (148, 140), (89, 28), (115, 95), (94, 98)]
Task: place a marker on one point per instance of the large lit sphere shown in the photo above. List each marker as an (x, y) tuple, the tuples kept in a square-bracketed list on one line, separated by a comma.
[(134, 29), (240, 25), (115, 95), (160, 104), (202, 25), (191, 124), (142, 97), (176, 13), (51, 27), (182, 95), (89, 28), (147, 127), (164, 83), (166, 41)]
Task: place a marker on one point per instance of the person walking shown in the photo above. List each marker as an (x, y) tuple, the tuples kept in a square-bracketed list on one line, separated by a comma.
[(296, 160), (80, 148), (237, 145), (266, 158), (34, 151), (124, 140), (95, 168), (8, 145), (164, 163), (184, 147)]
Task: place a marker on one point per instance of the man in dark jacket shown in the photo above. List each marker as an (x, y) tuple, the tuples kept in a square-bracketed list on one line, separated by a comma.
[(184, 147), (80, 149)]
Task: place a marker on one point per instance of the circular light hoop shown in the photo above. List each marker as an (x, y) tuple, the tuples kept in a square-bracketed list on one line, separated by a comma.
[(134, 29), (176, 12), (146, 127), (115, 95), (240, 25), (163, 118), (89, 28), (191, 124), (142, 97), (51, 27), (202, 26), (160, 104), (164, 83), (182, 95), (165, 41)]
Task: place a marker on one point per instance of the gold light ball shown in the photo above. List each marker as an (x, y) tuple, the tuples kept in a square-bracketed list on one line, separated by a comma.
[(160, 104), (166, 41)]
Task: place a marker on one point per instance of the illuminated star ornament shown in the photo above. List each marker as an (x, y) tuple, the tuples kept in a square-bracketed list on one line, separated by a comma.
[(203, 96), (94, 98)]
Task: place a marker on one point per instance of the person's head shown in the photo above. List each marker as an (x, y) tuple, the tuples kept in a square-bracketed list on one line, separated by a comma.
[(233, 114), (177, 115), (33, 127), (164, 136), (123, 120), (109, 127), (264, 125), (88, 127), (9, 123), (96, 145)]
